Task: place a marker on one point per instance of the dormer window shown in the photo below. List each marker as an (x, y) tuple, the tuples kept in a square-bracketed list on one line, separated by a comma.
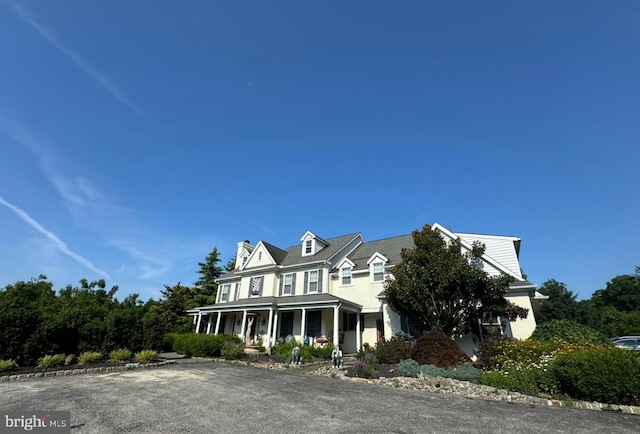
[(345, 275), (311, 244), (378, 271), (376, 264)]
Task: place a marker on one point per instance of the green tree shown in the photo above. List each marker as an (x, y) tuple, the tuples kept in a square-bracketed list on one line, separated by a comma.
[(561, 304), (206, 287), (439, 288)]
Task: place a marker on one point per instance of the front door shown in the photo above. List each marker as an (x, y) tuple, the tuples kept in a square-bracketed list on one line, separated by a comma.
[(380, 330)]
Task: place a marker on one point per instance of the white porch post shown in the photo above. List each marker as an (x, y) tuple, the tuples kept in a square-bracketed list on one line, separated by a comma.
[(195, 318), (268, 342), (218, 323), (244, 324), (358, 332), (303, 324), (336, 334), (199, 321), (209, 323), (275, 326)]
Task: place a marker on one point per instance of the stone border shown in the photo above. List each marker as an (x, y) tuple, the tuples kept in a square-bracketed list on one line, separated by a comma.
[(68, 372), (462, 388)]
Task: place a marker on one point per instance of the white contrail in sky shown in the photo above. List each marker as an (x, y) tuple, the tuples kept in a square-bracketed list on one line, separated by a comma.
[(61, 245), (22, 13)]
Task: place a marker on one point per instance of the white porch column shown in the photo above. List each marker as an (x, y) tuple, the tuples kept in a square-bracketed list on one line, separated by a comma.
[(244, 324), (198, 323), (209, 323), (268, 341), (336, 334), (275, 326), (358, 332), (303, 324), (195, 318), (218, 323)]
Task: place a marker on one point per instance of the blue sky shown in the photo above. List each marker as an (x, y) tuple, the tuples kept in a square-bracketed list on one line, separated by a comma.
[(136, 136)]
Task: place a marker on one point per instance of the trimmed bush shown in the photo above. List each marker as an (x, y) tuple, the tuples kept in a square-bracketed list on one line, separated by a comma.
[(569, 331), (51, 361), (89, 357), (201, 345), (232, 350), (146, 356), (120, 355), (307, 352), (6, 365), (394, 350), (168, 340), (604, 374), (436, 348)]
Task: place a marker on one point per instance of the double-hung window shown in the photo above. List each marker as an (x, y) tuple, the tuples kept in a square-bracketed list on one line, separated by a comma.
[(224, 293), (378, 272), (313, 281), (307, 247), (288, 284), (346, 276)]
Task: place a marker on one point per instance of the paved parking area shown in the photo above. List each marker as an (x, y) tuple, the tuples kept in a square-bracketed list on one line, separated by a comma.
[(225, 398)]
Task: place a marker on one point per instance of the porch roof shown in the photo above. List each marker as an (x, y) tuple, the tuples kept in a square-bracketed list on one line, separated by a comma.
[(282, 303)]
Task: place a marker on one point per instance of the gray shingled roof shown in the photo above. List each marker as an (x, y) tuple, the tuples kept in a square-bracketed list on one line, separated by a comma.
[(295, 300), (389, 247), (276, 253), (294, 253)]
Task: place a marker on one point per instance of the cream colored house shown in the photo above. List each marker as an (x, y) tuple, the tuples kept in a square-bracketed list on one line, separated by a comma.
[(320, 286)]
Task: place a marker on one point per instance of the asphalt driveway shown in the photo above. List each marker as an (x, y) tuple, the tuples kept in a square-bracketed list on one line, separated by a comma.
[(226, 398)]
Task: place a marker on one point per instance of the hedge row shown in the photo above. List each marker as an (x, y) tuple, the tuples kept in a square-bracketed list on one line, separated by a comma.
[(201, 345)]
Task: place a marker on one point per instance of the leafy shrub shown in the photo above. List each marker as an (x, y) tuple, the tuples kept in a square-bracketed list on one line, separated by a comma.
[(307, 352), (51, 361), (366, 367), (145, 356), (490, 348), (232, 350), (436, 348), (528, 379), (603, 374), (168, 340), (201, 345), (89, 357), (495, 353), (464, 372), (6, 365), (394, 350), (120, 355), (569, 331)]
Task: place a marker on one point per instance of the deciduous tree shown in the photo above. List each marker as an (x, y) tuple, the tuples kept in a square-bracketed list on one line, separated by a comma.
[(439, 288)]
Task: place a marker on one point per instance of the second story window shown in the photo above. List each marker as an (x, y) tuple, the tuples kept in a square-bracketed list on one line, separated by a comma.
[(288, 284), (378, 272), (224, 292), (256, 285), (346, 276)]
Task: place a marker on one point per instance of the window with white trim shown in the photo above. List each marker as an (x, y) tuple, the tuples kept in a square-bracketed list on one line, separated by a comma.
[(287, 285), (313, 281), (345, 274), (307, 247), (224, 292), (378, 272)]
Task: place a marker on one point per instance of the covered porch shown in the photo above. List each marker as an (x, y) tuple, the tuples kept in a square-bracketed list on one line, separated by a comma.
[(310, 319)]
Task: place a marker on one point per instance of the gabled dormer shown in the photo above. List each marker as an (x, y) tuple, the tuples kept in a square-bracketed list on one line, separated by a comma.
[(242, 256), (345, 269), (312, 244), (260, 257), (377, 263)]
